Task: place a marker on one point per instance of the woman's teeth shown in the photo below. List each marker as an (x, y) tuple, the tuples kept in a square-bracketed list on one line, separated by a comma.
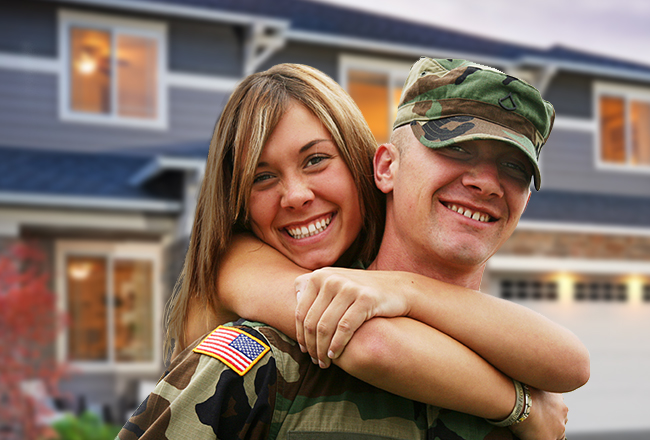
[(309, 230), (467, 213)]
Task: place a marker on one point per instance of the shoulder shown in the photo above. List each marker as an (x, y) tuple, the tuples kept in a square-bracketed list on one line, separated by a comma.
[(223, 386), (239, 347)]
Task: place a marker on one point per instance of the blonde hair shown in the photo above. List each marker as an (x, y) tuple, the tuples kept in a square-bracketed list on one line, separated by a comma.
[(248, 119)]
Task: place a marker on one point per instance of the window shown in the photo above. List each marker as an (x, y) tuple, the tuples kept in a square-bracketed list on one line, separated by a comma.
[(600, 291), (528, 289), (112, 70), (624, 121), (111, 301), (376, 87)]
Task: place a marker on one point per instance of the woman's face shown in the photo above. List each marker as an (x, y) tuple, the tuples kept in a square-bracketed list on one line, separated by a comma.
[(304, 201)]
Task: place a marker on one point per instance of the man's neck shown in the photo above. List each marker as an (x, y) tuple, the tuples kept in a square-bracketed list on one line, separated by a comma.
[(395, 256)]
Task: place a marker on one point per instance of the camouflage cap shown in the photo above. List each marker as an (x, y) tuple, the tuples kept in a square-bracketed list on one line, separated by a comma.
[(451, 101)]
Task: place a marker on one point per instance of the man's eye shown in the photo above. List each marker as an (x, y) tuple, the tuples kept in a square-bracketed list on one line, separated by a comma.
[(456, 149), (519, 169), (514, 166)]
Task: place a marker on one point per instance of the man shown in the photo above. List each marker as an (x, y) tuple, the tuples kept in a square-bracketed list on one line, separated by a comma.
[(266, 388)]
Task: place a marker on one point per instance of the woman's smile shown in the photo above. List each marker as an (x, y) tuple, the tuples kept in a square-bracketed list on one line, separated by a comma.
[(310, 228)]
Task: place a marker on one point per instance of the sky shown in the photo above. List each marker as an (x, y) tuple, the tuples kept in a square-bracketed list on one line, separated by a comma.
[(618, 28)]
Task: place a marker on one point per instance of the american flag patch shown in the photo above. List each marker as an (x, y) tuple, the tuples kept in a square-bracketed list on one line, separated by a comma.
[(234, 347)]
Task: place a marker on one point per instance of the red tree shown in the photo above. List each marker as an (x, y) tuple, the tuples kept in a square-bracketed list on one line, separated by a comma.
[(29, 324)]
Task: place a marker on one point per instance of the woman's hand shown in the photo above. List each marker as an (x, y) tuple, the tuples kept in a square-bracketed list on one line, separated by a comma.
[(547, 420), (334, 302)]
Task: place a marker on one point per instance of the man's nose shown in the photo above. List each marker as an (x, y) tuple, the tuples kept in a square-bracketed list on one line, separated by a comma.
[(483, 177), (297, 193)]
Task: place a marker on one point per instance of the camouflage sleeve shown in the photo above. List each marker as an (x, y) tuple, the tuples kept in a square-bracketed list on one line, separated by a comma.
[(201, 397)]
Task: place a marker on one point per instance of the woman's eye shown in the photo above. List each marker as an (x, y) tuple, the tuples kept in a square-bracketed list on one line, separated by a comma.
[(315, 160), (261, 178)]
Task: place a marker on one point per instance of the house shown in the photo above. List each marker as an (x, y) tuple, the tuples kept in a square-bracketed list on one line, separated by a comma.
[(107, 107)]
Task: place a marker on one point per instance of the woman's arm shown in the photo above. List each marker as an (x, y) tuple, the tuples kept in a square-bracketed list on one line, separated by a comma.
[(257, 282), (249, 274), (519, 342)]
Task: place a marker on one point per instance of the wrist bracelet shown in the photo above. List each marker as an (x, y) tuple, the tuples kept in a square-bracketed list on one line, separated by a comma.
[(528, 402), (521, 411)]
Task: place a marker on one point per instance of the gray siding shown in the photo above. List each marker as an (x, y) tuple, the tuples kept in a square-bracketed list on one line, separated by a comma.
[(29, 117), (322, 58), (568, 163), (571, 95), (28, 28), (205, 48)]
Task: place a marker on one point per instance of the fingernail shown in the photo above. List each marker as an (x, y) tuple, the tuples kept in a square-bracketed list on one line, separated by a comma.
[(314, 360), (322, 364), (298, 293), (302, 348), (330, 354)]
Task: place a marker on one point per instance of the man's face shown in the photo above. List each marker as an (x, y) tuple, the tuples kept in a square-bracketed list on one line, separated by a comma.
[(457, 205)]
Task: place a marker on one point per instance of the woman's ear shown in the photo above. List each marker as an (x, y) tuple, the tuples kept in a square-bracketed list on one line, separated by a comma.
[(386, 163)]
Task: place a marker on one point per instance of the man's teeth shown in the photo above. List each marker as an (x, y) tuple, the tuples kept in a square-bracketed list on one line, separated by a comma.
[(309, 230), (467, 213)]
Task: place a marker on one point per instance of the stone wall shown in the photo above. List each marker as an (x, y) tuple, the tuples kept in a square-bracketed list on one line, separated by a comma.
[(577, 245)]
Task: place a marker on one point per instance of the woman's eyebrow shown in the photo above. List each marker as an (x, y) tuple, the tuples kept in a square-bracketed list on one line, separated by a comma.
[(304, 148), (308, 145)]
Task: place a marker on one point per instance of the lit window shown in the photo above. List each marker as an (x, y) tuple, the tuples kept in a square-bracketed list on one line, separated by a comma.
[(377, 95), (528, 290), (624, 129), (113, 70), (90, 71), (600, 291), (109, 302)]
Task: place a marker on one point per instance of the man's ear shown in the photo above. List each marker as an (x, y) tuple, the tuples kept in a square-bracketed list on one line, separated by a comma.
[(386, 163), (527, 200)]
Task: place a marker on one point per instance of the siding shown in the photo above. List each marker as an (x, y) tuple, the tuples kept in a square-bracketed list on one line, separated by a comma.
[(322, 58), (568, 163), (204, 48), (29, 117), (28, 28), (571, 95)]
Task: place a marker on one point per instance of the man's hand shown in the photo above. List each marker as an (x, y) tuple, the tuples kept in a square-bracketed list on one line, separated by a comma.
[(547, 420), (333, 303)]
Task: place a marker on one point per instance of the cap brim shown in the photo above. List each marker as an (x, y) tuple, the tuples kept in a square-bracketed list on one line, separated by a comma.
[(439, 133)]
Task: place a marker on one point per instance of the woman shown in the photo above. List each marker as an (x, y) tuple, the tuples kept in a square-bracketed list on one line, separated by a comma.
[(254, 183)]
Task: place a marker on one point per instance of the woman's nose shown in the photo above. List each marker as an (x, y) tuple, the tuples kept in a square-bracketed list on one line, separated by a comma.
[(297, 194)]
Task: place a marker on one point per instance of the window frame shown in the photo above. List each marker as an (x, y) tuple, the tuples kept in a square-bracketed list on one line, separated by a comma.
[(628, 93), (115, 25), (111, 251), (397, 71)]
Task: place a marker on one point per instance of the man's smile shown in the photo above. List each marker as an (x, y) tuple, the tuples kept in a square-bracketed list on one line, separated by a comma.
[(475, 215)]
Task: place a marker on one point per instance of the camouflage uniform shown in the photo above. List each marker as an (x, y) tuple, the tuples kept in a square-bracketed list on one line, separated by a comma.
[(284, 395)]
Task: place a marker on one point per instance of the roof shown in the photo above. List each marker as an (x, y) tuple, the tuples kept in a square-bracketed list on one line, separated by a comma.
[(91, 180), (587, 208), (340, 21)]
